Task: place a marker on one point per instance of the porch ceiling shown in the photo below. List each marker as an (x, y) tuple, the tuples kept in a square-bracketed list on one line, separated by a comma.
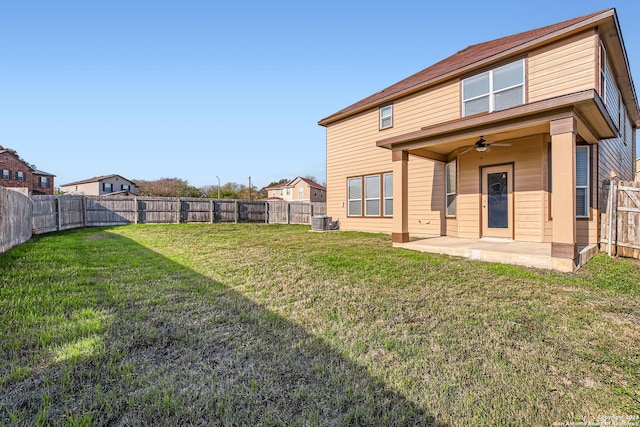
[(440, 141)]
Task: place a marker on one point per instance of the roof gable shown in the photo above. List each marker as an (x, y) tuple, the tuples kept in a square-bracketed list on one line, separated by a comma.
[(466, 59), (309, 182), (98, 179)]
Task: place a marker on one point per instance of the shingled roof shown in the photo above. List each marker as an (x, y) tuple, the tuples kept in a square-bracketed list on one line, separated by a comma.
[(463, 59), (97, 179)]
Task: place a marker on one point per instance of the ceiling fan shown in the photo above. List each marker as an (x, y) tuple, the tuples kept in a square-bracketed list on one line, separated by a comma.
[(482, 145)]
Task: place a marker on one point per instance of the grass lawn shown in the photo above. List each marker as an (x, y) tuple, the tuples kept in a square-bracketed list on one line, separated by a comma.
[(254, 324)]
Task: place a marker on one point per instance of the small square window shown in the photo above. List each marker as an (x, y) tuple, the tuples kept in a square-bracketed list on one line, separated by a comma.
[(44, 182), (107, 187), (386, 116)]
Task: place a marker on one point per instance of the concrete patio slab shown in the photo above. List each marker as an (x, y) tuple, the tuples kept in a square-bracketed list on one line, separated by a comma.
[(505, 251)]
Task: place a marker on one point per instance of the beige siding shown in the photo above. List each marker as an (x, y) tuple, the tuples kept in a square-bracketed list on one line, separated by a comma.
[(529, 193), (90, 188), (352, 151), (563, 67)]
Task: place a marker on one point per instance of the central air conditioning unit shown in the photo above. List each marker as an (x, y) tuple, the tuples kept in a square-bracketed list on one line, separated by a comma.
[(320, 223)]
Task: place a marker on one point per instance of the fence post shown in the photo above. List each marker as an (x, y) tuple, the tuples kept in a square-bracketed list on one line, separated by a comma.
[(136, 211), (211, 211), (609, 249), (288, 213), (178, 211), (84, 211), (235, 212), (59, 209), (266, 212), (310, 212), (614, 211)]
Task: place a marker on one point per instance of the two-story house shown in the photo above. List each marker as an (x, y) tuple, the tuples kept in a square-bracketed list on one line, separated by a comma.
[(20, 175), (298, 189), (514, 139), (101, 186)]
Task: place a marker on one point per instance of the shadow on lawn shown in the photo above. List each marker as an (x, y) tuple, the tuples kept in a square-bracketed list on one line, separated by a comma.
[(184, 349)]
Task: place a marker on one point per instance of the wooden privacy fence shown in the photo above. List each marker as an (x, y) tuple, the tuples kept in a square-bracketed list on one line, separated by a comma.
[(621, 223), (15, 218), (52, 213)]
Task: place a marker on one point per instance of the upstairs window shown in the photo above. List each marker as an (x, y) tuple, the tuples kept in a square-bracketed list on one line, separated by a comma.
[(6, 174), (494, 90), (107, 187), (125, 187), (603, 73), (300, 191), (19, 176), (44, 182), (386, 116)]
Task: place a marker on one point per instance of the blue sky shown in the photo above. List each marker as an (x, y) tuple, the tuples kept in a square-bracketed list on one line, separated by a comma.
[(196, 89)]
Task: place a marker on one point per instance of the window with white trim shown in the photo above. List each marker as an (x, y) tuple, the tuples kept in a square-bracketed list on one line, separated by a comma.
[(450, 188), (386, 116), (6, 174), (582, 181), (300, 191), (388, 194), (44, 182), (494, 90), (354, 196), (107, 187), (19, 176), (125, 187)]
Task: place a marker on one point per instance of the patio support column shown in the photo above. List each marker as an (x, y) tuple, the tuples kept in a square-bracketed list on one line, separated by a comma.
[(563, 185), (400, 230)]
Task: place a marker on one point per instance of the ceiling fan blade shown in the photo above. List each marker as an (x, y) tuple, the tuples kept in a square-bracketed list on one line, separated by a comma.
[(499, 144), (465, 151)]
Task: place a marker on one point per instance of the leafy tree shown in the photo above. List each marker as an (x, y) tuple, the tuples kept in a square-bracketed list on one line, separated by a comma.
[(168, 187)]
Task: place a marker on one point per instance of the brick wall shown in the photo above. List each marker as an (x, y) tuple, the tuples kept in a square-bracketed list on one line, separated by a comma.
[(13, 164)]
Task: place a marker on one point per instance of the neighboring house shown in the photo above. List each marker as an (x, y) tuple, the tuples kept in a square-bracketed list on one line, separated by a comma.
[(298, 189), (278, 191), (557, 103), (20, 175), (102, 185)]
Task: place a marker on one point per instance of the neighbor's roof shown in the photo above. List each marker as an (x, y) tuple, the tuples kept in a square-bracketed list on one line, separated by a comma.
[(39, 172), (310, 182), (97, 179), (463, 59), (277, 186)]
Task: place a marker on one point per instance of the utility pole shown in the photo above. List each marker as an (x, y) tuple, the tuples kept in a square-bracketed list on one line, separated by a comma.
[(218, 186)]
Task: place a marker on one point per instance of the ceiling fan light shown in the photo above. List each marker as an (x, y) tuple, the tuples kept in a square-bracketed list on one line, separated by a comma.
[(481, 148)]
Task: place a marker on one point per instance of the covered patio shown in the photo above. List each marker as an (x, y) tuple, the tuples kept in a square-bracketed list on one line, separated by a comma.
[(505, 251)]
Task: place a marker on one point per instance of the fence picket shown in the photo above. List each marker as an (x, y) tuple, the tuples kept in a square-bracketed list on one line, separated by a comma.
[(51, 213)]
